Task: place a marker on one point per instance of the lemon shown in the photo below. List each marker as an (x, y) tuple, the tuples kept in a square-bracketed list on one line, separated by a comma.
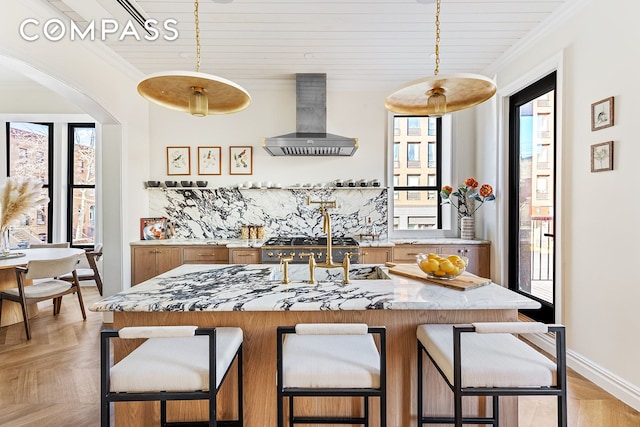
[(439, 273), (447, 266), (454, 258), (433, 265), (433, 256)]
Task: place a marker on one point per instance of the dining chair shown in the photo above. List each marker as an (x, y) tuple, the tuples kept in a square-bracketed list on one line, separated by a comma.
[(173, 363), (487, 359), (330, 360), (91, 272), (45, 286)]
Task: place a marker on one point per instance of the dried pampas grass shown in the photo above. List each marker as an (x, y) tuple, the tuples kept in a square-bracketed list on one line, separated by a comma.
[(18, 196)]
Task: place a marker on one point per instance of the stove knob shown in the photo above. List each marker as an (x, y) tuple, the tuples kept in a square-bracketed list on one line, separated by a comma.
[(270, 254), (293, 254)]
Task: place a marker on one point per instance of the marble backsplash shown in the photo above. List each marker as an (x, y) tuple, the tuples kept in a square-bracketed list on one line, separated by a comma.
[(219, 213)]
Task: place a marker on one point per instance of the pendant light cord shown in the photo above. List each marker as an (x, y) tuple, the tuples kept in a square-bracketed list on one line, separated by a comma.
[(197, 20), (435, 72)]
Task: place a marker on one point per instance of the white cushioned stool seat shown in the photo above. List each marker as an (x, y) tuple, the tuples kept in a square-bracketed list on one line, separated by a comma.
[(313, 361), (330, 360), (488, 360), (175, 364)]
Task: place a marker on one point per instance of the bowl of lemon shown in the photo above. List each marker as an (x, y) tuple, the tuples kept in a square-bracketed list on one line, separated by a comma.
[(437, 266)]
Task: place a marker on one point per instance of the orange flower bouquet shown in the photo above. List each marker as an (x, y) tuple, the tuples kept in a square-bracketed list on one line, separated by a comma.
[(465, 196)]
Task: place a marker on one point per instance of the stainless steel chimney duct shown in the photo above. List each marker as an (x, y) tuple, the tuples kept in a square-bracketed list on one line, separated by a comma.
[(311, 137)]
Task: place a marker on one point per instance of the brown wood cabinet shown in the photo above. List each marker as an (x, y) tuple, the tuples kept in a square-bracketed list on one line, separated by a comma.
[(206, 254), (244, 256), (149, 261), (377, 255), (478, 255)]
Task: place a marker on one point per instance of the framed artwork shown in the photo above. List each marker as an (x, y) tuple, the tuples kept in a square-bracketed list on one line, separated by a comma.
[(241, 160), (209, 161), (178, 160), (602, 157), (602, 114), (153, 228)]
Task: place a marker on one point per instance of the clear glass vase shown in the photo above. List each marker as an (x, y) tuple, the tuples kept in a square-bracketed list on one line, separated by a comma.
[(4, 241)]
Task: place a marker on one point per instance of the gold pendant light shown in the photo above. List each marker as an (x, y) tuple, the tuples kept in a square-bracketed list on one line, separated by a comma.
[(434, 96), (197, 93)]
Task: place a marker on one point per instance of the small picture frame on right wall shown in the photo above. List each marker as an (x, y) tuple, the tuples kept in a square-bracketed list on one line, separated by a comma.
[(602, 157), (602, 114)]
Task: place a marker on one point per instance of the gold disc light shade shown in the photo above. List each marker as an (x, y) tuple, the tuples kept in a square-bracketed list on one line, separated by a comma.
[(173, 89), (197, 93), (434, 96), (461, 91)]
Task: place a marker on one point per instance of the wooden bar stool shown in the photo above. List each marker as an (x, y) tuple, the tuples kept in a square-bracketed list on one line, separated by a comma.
[(485, 359), (174, 363), (331, 359)]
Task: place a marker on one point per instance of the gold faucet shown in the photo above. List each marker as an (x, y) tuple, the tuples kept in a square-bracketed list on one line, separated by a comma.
[(326, 228), (346, 264), (312, 266), (285, 263)]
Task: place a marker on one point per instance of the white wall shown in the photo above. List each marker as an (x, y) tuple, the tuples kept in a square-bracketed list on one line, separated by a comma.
[(599, 235), (272, 113)]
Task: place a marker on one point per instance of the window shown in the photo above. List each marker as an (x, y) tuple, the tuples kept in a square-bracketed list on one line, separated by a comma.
[(30, 154), (416, 202), (413, 181), (396, 183), (432, 162), (542, 187), (82, 184), (413, 155), (413, 126), (396, 155), (431, 182), (432, 126)]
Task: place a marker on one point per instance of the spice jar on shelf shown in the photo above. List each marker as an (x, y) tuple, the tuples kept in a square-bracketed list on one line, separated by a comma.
[(260, 233), (244, 232), (253, 231)]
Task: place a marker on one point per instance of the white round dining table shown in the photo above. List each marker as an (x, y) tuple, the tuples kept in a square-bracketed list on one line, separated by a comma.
[(11, 312)]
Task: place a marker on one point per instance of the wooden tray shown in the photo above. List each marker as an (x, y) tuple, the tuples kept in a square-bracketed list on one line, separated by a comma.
[(463, 282)]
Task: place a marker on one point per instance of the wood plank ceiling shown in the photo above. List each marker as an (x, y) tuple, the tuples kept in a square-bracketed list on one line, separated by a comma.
[(360, 44)]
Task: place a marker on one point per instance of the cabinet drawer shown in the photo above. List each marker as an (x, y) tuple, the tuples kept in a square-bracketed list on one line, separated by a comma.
[(408, 253), (205, 254), (244, 256)]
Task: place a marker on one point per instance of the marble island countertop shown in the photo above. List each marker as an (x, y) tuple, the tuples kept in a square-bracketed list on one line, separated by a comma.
[(258, 287)]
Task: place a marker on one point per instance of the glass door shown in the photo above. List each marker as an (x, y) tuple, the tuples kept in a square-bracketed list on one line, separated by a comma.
[(532, 195)]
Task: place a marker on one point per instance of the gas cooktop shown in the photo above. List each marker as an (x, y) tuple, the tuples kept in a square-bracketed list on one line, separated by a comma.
[(310, 241)]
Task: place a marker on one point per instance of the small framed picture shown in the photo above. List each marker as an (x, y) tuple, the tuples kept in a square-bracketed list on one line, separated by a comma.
[(240, 160), (602, 157), (153, 228), (602, 114), (209, 161), (178, 160)]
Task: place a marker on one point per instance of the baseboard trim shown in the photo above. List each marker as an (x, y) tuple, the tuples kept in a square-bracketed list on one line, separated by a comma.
[(611, 383)]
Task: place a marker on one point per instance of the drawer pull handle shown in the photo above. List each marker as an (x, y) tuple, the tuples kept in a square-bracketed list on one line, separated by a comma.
[(413, 253), (213, 255), (243, 254)]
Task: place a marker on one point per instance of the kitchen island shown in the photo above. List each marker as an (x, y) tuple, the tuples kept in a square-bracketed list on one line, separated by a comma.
[(253, 298)]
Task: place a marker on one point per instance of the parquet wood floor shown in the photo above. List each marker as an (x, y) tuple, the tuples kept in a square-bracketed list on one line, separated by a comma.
[(53, 380)]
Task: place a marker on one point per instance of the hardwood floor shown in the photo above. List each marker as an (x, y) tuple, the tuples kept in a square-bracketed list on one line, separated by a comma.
[(53, 380)]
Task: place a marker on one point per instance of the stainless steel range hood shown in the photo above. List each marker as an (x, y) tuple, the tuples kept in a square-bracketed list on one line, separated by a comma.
[(311, 137)]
